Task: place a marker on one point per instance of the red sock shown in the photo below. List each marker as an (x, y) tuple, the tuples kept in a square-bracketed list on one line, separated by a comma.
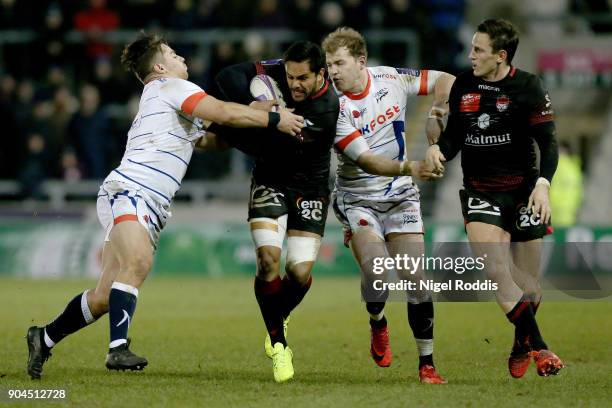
[(293, 293), (269, 297)]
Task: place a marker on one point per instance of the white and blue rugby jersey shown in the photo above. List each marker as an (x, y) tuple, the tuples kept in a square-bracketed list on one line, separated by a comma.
[(162, 138), (374, 120)]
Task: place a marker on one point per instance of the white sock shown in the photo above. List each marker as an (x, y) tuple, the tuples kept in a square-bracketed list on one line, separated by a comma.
[(50, 343), (424, 346), (377, 317)]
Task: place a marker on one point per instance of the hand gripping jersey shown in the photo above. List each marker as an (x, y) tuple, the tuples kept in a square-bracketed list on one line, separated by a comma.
[(161, 140), (374, 119)]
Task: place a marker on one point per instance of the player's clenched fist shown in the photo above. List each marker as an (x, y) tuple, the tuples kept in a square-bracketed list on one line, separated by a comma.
[(424, 171)]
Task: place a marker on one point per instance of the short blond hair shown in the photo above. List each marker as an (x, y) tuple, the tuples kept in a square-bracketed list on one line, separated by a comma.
[(346, 37)]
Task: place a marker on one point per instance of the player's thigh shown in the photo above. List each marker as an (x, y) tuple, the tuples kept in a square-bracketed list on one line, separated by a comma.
[(526, 257), (267, 235), (302, 250), (132, 245), (407, 244)]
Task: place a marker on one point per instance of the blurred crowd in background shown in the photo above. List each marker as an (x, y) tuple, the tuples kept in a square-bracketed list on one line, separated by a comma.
[(65, 106)]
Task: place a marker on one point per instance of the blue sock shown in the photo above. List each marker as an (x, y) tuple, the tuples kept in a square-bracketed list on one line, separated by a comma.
[(121, 307)]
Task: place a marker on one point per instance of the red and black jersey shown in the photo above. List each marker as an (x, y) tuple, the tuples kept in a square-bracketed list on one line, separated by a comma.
[(494, 125), (281, 160)]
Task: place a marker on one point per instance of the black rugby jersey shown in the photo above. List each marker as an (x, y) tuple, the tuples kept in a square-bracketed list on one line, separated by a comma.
[(281, 160), (494, 125)]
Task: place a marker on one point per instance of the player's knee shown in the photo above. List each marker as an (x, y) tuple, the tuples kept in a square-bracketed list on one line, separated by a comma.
[(139, 265), (98, 302), (299, 273), (267, 262)]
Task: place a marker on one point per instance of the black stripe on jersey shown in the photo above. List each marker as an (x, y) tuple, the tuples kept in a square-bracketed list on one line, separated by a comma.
[(153, 114), (157, 170), (143, 134), (143, 185)]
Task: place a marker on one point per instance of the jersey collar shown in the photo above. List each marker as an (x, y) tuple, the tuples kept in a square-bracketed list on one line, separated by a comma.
[(321, 91), (363, 93)]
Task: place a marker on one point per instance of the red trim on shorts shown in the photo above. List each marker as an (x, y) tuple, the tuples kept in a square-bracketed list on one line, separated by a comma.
[(125, 217), (191, 102), (363, 93), (423, 85), (348, 139)]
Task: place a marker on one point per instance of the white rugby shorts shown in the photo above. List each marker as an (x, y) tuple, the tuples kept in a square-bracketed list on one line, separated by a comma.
[(118, 202), (384, 214)]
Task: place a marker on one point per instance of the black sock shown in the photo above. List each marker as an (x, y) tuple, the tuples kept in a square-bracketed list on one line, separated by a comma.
[(293, 293), (75, 316), (535, 300), (121, 306), (426, 360), (269, 296), (527, 331), (378, 324), (420, 319)]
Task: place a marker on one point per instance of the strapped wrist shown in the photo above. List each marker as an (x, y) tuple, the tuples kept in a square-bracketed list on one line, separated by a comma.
[(543, 181), (405, 169), (273, 119)]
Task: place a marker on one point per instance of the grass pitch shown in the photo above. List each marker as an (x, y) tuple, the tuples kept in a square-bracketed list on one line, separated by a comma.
[(204, 341)]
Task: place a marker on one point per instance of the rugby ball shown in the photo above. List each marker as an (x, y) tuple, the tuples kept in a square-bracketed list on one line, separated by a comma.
[(265, 88)]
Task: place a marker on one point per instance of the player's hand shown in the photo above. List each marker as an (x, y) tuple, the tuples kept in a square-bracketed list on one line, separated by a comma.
[(539, 202), (434, 159), (290, 123), (267, 106), (422, 171)]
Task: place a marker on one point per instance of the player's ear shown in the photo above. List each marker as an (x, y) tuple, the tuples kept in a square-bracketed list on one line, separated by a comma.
[(321, 73), (362, 60), (159, 68), (502, 56)]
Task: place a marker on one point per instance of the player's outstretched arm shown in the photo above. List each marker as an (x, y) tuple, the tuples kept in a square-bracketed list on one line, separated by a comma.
[(439, 109), (383, 166), (236, 115)]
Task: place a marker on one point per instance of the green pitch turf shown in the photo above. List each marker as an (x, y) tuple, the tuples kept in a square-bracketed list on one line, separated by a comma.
[(204, 341)]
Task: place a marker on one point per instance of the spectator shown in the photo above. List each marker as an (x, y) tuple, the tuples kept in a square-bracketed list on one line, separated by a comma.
[(33, 171), (183, 17), (269, 15), (89, 133), (94, 22), (566, 188)]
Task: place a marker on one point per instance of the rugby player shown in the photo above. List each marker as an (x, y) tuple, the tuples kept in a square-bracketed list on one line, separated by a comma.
[(382, 215), (496, 112), (290, 183), (134, 200)]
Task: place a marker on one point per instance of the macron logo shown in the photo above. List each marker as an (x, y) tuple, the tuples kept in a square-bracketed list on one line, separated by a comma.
[(126, 317)]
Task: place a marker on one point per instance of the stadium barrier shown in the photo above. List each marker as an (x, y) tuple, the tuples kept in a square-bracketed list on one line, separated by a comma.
[(45, 248)]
